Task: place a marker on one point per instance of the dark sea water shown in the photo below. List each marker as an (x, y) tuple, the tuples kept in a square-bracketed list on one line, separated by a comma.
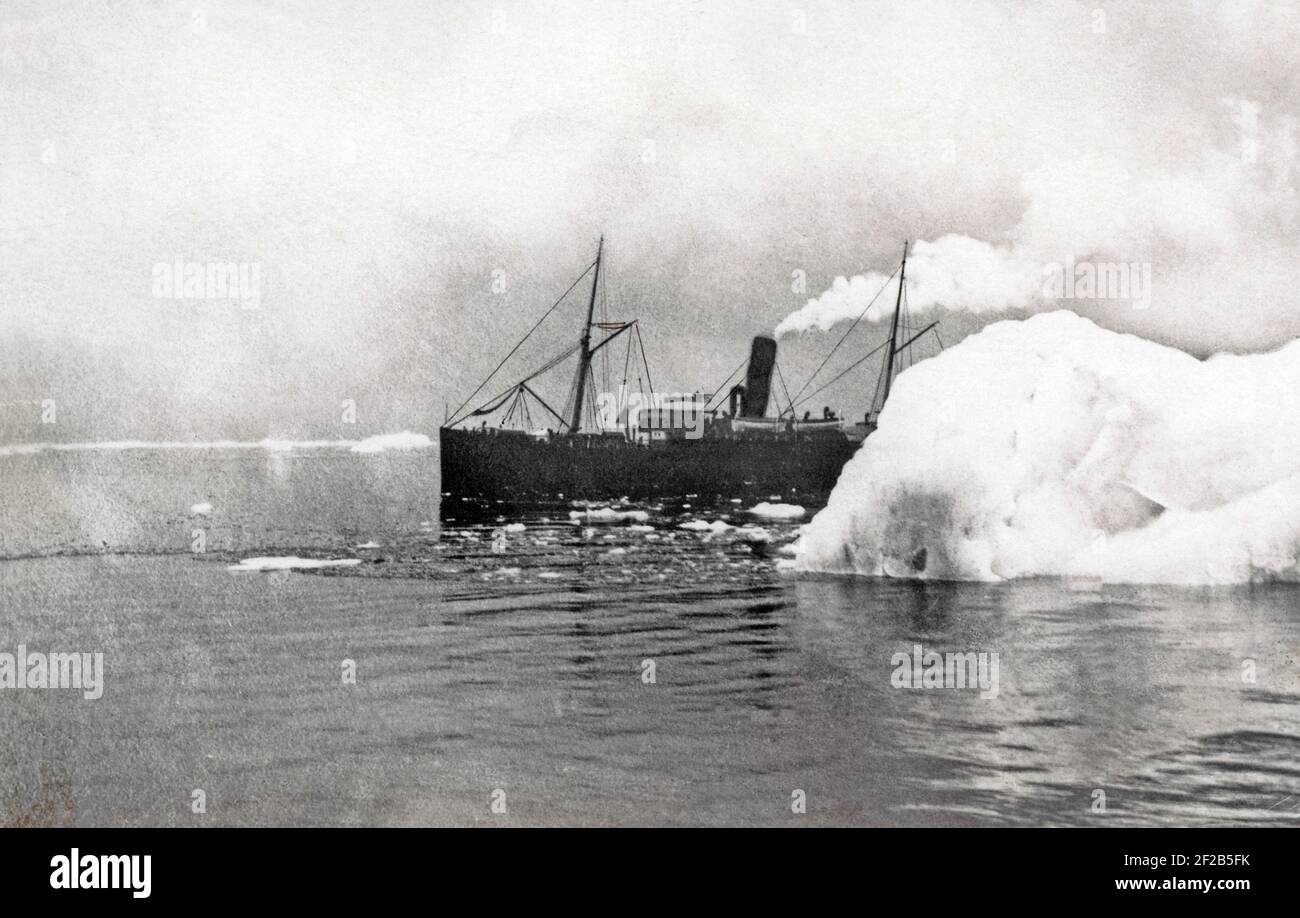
[(512, 666)]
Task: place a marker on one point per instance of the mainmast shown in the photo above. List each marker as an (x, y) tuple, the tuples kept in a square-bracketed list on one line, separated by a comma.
[(584, 351), (893, 330)]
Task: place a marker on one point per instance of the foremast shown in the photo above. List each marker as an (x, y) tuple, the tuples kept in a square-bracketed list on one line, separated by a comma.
[(584, 347)]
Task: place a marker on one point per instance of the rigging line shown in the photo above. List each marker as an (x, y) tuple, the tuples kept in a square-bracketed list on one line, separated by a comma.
[(723, 387), (627, 361), (605, 317), (724, 391), (781, 377), (517, 411), (591, 401), (640, 388), (846, 334), (554, 361), (491, 404), (506, 418), (648, 377), (569, 397), (907, 327), (855, 363), (623, 394), (520, 343), (875, 396), (541, 401)]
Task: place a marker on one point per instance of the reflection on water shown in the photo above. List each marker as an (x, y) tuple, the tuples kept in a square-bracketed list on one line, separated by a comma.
[(1134, 692), (491, 656)]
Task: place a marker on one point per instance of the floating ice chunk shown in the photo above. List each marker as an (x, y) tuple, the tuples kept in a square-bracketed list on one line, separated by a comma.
[(771, 511), (290, 562), (394, 441), (717, 526), (609, 515)]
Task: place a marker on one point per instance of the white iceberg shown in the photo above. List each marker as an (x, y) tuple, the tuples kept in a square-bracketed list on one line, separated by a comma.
[(1052, 447)]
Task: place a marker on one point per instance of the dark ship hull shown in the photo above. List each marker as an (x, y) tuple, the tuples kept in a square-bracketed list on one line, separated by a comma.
[(670, 446), (515, 466)]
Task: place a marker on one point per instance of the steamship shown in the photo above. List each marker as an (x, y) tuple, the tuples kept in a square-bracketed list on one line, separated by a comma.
[(515, 446)]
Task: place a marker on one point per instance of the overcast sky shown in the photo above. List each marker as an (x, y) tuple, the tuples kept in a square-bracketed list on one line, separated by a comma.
[(382, 164)]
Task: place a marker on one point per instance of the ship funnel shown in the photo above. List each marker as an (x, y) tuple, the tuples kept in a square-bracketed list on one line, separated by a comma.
[(758, 382)]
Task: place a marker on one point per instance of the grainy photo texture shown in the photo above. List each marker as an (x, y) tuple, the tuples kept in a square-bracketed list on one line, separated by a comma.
[(600, 414)]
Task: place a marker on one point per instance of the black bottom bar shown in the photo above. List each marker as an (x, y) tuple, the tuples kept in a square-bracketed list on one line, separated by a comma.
[(940, 867)]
